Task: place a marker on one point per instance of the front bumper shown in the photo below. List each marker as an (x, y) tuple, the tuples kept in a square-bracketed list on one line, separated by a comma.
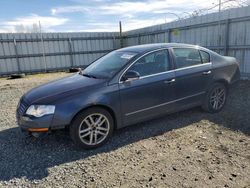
[(30, 124)]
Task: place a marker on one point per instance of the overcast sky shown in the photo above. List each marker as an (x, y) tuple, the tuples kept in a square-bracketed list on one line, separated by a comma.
[(93, 15)]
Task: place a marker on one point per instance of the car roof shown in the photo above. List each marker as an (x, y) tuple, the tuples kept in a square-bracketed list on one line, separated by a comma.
[(148, 47)]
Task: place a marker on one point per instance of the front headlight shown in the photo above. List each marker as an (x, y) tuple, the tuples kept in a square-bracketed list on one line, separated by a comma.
[(40, 110)]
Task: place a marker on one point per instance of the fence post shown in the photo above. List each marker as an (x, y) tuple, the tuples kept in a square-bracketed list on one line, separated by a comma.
[(43, 53), (43, 49), (169, 35), (165, 36), (114, 45), (152, 38), (226, 37), (71, 52), (139, 38), (17, 58), (121, 38)]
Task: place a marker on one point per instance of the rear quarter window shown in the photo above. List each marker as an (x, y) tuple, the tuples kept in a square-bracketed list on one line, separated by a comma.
[(205, 56)]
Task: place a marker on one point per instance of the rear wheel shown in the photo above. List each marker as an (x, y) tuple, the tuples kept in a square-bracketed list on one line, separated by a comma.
[(92, 128), (215, 98)]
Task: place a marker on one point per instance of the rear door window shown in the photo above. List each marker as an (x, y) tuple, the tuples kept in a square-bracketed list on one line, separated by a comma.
[(186, 57)]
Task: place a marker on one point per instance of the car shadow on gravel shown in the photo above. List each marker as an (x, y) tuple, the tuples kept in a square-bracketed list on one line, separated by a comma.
[(31, 158)]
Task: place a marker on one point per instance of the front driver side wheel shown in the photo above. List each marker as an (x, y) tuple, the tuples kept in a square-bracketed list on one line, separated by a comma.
[(91, 128), (215, 98)]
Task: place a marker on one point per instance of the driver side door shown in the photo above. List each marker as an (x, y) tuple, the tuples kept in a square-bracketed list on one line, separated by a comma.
[(145, 97)]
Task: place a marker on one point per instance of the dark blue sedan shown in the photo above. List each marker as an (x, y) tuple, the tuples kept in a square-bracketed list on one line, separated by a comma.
[(128, 86)]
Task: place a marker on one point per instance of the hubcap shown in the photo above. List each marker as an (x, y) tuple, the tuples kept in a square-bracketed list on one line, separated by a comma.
[(94, 129), (218, 97)]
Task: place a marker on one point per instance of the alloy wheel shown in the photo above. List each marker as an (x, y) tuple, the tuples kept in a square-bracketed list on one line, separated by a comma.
[(218, 98), (94, 129)]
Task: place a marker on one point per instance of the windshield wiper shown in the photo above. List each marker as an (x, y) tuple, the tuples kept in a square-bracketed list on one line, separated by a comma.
[(88, 75)]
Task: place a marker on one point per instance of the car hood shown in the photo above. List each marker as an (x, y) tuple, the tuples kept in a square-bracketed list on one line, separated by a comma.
[(60, 88)]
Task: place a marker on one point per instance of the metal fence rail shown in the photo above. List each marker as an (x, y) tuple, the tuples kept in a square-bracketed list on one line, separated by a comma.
[(27, 53)]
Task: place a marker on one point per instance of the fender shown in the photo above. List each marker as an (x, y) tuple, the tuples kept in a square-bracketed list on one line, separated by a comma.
[(68, 108)]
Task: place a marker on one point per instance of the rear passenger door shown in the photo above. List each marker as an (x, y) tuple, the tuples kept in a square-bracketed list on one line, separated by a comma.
[(193, 75)]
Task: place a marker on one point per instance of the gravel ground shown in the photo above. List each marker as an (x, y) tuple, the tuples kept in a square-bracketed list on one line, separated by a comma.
[(186, 149)]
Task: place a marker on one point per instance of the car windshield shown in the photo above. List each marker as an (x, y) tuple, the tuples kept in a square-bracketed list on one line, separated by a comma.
[(108, 65)]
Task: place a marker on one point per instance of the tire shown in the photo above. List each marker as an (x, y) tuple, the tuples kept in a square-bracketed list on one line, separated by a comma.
[(215, 98), (92, 128), (71, 70), (16, 76)]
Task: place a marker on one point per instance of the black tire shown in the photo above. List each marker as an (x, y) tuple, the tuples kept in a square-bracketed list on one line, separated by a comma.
[(82, 121), (208, 104), (16, 76), (71, 70)]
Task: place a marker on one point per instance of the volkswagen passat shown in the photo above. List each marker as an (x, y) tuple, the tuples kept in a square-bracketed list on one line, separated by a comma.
[(128, 86)]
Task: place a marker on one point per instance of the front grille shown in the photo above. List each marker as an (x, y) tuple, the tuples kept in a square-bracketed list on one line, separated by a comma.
[(22, 107)]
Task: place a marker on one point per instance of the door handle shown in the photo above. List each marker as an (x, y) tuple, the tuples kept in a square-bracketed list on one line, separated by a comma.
[(169, 81), (207, 72)]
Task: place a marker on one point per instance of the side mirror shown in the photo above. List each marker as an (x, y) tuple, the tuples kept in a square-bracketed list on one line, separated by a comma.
[(130, 75)]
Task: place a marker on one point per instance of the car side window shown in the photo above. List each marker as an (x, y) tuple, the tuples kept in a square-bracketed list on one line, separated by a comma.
[(153, 63), (146, 59), (205, 56), (185, 57)]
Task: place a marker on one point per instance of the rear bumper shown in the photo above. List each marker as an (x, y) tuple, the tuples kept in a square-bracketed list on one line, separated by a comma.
[(31, 124)]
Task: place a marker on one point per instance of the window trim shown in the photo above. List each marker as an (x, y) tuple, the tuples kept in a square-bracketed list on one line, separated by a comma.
[(172, 61), (161, 49)]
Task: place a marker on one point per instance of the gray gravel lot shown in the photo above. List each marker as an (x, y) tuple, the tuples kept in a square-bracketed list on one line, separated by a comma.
[(186, 149)]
